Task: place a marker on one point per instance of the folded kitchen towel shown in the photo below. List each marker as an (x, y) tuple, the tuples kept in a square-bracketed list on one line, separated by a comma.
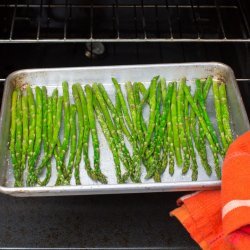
[(221, 219)]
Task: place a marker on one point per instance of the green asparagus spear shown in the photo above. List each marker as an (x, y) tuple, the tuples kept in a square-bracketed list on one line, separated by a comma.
[(73, 142), (57, 106), (25, 142), (110, 140), (194, 165), (205, 128), (151, 123), (115, 132), (163, 123), (13, 138), (131, 102), (225, 113), (142, 89), (91, 172), (115, 112), (54, 139), (123, 105), (201, 147), (45, 136), (182, 129), (65, 142), (205, 115), (31, 179), (80, 136), (57, 103), (170, 143), (217, 105), (174, 116), (89, 95)]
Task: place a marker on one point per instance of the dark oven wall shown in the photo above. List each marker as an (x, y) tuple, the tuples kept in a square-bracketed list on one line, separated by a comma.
[(38, 34)]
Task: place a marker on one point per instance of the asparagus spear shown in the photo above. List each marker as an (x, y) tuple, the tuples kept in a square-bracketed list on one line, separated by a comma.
[(136, 157), (115, 112), (161, 137), (151, 123), (170, 143), (31, 179), (73, 142), (89, 95), (45, 136), (65, 142), (56, 125), (150, 150), (57, 103), (57, 106), (182, 129), (194, 165), (175, 129), (217, 105), (80, 136), (205, 128), (123, 105), (131, 102), (205, 115), (140, 88), (115, 132), (91, 172), (13, 138), (201, 147), (225, 113), (110, 141), (25, 142)]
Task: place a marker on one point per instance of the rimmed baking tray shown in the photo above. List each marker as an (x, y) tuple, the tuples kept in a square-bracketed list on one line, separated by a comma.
[(53, 77)]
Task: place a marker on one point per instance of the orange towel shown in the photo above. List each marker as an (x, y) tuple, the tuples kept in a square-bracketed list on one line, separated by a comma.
[(221, 219)]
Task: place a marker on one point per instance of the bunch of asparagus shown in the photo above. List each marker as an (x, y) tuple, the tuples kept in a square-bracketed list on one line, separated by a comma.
[(178, 128)]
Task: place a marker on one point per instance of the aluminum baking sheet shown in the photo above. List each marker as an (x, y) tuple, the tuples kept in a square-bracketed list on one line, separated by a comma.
[(53, 78)]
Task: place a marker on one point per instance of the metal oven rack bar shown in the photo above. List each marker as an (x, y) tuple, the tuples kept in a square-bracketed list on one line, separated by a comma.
[(46, 21)]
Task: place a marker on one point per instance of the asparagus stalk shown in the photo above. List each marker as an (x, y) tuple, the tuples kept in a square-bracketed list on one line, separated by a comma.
[(205, 128), (31, 179), (194, 165), (201, 147), (217, 105), (45, 136), (89, 95), (116, 133), (152, 145), (141, 89), (123, 105), (65, 142), (52, 134), (174, 116), (131, 102), (73, 142), (13, 138), (225, 113), (57, 103), (80, 136), (170, 143), (110, 141), (162, 131), (182, 129), (91, 172), (151, 123), (25, 142), (205, 115)]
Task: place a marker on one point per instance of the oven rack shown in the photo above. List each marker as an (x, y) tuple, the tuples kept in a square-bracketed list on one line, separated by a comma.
[(62, 21)]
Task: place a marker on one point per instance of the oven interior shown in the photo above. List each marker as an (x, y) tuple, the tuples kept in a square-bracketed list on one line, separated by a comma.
[(68, 33)]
